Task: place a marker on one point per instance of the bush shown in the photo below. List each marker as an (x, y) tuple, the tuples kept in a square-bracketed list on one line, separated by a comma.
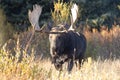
[(6, 29), (61, 13), (104, 44)]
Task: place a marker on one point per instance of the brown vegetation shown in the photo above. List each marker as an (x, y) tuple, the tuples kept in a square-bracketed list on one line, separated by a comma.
[(104, 44), (101, 45)]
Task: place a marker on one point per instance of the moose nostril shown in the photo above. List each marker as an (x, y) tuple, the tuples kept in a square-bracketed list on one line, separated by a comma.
[(57, 65)]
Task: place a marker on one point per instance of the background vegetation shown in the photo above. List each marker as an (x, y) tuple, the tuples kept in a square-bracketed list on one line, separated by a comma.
[(98, 20), (102, 59), (6, 30), (93, 12)]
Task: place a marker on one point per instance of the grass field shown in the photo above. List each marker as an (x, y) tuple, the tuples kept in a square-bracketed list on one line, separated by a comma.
[(44, 70), (102, 60)]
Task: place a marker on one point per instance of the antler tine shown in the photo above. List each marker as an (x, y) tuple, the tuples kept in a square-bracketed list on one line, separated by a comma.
[(34, 16), (74, 12)]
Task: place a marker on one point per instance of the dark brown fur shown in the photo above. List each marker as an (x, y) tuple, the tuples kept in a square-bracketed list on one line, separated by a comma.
[(67, 46)]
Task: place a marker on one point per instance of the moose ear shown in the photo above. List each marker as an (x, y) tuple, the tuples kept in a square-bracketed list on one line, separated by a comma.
[(66, 26)]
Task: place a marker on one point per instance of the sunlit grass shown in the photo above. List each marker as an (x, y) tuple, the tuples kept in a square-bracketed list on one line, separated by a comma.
[(30, 69)]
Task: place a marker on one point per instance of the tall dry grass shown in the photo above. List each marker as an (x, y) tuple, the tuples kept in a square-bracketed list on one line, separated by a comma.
[(28, 69), (102, 58), (104, 44)]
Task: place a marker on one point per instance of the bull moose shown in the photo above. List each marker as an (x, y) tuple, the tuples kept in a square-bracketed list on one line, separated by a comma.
[(66, 45)]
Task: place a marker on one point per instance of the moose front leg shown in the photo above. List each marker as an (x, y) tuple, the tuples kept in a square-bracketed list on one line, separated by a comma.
[(70, 65)]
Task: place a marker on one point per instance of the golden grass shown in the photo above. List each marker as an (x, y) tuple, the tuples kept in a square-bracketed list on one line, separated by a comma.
[(31, 68), (43, 70)]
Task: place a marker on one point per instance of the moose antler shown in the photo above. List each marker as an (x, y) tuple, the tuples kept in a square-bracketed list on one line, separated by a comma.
[(34, 16), (74, 12), (36, 12)]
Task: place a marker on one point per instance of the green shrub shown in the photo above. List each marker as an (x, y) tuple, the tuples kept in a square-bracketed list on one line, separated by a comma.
[(61, 13)]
